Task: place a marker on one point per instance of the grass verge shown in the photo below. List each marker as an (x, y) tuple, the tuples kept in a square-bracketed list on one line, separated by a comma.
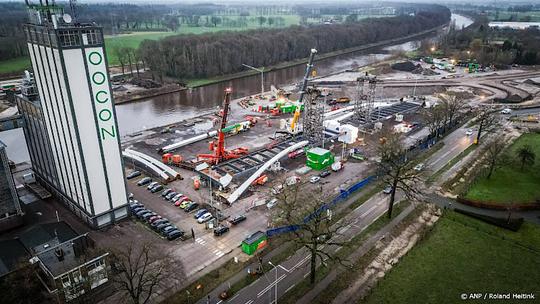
[(301, 288), (463, 255), (451, 163), (14, 65), (509, 183)]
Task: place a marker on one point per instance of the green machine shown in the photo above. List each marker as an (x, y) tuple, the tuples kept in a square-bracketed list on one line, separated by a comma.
[(473, 67), (254, 242), (319, 158)]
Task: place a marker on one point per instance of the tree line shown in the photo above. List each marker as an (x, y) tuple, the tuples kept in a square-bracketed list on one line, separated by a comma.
[(187, 56), (498, 46)]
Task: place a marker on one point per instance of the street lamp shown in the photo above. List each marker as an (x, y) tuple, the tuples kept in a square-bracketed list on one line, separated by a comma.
[(433, 49), (275, 270), (261, 70)]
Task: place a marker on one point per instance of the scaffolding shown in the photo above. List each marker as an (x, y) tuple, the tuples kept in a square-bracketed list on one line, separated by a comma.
[(365, 97), (313, 117)]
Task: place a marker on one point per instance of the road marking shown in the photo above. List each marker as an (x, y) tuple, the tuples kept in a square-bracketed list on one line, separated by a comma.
[(300, 263), (305, 276), (267, 288), (249, 302), (287, 270), (219, 301), (220, 254), (292, 286), (370, 209), (232, 299)]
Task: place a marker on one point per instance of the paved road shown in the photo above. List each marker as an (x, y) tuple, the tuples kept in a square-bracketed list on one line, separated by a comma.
[(296, 268), (455, 143)]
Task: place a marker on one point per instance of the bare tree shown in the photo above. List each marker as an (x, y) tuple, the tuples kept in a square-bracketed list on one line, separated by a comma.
[(494, 154), (434, 118), (307, 211), (487, 120), (526, 156), (120, 53), (141, 271), (395, 169), (451, 106)]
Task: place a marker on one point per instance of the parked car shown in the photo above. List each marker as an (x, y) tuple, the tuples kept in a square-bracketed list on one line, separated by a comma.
[(143, 181), (183, 204), (157, 188), (238, 219), (155, 224), (220, 230), (469, 132), (170, 195), (133, 174), (506, 111), (166, 192), (199, 213), (204, 218), (324, 173), (192, 206), (271, 203), (162, 226), (151, 185), (173, 235), (314, 179), (387, 190), (141, 212), (419, 167), (135, 205), (154, 218), (168, 229), (137, 209), (182, 198), (146, 216), (176, 197)]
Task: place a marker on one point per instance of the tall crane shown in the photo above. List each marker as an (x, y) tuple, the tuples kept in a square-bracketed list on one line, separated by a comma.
[(294, 123), (220, 153)]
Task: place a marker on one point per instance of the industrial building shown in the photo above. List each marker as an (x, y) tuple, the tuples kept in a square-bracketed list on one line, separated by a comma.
[(70, 120), (10, 207)]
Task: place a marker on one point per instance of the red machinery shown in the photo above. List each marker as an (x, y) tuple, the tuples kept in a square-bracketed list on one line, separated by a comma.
[(220, 154)]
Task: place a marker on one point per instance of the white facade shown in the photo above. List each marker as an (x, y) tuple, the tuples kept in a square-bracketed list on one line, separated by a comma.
[(72, 79)]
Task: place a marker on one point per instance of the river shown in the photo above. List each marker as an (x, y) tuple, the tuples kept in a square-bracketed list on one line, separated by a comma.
[(170, 108)]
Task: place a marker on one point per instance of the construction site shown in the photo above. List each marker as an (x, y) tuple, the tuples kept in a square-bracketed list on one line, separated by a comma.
[(322, 131)]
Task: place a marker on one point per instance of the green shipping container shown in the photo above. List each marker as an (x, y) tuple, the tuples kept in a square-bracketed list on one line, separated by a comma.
[(319, 159), (254, 242)]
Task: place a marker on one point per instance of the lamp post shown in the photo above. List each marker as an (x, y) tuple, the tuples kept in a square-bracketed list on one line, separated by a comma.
[(275, 270), (261, 70)]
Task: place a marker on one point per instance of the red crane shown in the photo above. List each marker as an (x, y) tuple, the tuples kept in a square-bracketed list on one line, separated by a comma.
[(220, 153)]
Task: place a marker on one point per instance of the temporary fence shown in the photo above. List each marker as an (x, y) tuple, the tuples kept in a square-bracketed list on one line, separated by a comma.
[(343, 195)]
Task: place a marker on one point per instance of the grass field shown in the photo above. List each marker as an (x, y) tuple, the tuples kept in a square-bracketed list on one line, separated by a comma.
[(463, 255), (509, 184), (14, 65), (518, 16)]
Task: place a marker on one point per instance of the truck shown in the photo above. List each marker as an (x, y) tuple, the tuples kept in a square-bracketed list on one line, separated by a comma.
[(337, 166)]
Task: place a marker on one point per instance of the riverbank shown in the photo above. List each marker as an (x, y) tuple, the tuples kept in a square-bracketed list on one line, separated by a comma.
[(195, 83)]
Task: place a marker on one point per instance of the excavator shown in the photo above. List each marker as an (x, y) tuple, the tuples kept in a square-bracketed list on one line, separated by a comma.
[(218, 147)]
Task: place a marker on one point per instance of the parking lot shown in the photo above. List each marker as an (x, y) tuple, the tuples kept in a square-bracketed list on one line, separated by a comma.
[(206, 248)]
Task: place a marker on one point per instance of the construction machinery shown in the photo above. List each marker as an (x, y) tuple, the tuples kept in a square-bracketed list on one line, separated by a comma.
[(293, 127), (218, 147)]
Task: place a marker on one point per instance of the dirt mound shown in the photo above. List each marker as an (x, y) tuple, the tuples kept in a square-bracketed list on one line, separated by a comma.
[(405, 66), (145, 83)]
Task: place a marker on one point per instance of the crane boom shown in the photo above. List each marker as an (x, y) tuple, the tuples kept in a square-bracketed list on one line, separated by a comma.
[(309, 67), (303, 89)]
